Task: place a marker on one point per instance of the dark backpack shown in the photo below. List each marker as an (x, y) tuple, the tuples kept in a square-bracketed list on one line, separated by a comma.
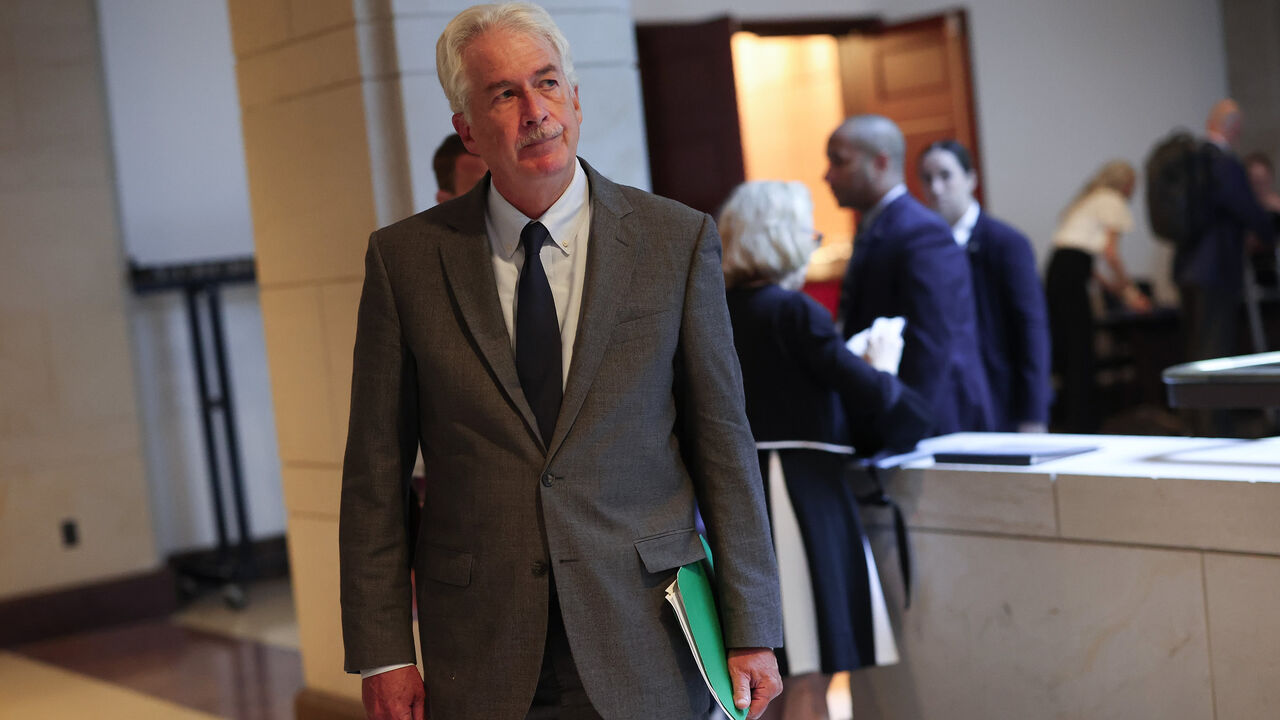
[(1178, 199)]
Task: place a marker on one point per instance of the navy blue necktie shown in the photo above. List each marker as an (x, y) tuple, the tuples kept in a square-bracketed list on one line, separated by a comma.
[(538, 334)]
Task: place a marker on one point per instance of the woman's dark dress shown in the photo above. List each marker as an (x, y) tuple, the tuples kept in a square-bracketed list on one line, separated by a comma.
[(810, 403)]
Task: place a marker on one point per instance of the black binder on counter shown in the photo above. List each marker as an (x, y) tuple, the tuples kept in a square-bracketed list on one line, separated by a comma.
[(1013, 454)]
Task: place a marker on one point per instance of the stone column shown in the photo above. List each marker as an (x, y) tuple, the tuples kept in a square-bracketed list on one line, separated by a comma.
[(341, 113)]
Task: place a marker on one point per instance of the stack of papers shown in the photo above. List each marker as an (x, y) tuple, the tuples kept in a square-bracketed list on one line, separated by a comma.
[(693, 599)]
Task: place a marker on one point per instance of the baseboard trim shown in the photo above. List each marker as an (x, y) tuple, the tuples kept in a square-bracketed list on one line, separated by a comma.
[(311, 704), (270, 559), (87, 607)]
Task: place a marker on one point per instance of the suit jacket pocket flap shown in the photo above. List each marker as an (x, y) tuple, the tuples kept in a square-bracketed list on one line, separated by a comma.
[(447, 566), (670, 550)]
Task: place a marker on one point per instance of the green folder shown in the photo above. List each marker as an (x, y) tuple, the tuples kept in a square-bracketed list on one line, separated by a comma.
[(694, 601)]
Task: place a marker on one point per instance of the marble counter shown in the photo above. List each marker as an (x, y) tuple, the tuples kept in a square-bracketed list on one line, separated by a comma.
[(1207, 494), (1135, 581)]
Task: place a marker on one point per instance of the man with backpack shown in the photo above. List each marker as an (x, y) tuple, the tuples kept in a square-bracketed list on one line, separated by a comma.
[(1199, 198), (1210, 270)]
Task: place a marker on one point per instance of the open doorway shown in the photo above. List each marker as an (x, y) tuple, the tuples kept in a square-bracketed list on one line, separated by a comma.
[(728, 101)]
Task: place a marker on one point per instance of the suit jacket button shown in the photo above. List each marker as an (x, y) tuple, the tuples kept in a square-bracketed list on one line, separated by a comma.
[(546, 479), (539, 568)]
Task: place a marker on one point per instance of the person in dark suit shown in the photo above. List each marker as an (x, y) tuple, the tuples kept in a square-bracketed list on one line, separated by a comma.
[(1013, 322), (1210, 271), (455, 168), (1262, 176), (905, 263), (811, 404), (559, 347)]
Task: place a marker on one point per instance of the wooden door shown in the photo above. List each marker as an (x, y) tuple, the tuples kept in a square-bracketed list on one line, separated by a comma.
[(918, 75), (691, 111)]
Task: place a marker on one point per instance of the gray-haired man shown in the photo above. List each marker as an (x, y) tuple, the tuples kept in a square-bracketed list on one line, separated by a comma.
[(559, 346)]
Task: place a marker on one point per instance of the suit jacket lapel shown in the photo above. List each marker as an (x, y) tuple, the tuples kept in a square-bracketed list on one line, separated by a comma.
[(610, 260), (861, 251), (863, 247), (468, 268), (978, 235)]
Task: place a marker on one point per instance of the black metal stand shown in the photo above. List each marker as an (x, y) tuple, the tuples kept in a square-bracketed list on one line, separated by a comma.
[(231, 564)]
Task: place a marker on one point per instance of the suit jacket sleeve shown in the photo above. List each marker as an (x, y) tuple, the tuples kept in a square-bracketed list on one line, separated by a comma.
[(720, 452), (936, 293), (1236, 196), (1027, 321), (809, 336), (882, 412), (374, 549)]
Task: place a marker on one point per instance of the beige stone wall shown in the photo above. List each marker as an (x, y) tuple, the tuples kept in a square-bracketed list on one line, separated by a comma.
[(69, 430)]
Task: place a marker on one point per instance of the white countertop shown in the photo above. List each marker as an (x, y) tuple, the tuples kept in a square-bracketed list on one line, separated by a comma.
[(1197, 493), (1121, 455)]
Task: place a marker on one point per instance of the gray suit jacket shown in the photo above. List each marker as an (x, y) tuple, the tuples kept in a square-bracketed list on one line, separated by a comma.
[(651, 423)]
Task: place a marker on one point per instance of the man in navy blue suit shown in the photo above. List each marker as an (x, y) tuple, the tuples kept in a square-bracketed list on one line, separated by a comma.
[(905, 263), (1210, 271), (1013, 321)]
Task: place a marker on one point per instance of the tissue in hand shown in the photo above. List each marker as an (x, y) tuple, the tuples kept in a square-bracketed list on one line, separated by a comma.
[(881, 344)]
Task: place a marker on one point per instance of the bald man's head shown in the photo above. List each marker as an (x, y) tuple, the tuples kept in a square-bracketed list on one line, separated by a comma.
[(865, 156), (877, 134), (1224, 122)]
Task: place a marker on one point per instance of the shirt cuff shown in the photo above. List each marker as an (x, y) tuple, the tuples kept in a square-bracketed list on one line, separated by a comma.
[(379, 670)]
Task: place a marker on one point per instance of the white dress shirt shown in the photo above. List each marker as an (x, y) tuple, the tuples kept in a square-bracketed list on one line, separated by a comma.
[(963, 229), (564, 258), (870, 216)]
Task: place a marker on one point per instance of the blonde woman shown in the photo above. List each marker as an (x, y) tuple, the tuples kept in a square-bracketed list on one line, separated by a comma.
[(810, 403), (1091, 227)]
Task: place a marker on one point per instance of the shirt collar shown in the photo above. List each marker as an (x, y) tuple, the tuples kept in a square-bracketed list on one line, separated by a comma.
[(507, 221), (963, 229), (894, 193)]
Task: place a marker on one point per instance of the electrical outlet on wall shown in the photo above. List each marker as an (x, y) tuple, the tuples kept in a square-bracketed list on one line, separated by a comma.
[(70, 533)]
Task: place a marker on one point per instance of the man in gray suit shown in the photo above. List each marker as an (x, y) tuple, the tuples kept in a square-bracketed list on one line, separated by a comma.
[(574, 405)]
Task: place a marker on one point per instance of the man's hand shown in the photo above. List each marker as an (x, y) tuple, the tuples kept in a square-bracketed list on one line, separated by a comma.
[(754, 673), (397, 695)]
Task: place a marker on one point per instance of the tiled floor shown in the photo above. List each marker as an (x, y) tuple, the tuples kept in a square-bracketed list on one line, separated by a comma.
[(206, 661), (268, 619), (36, 690)]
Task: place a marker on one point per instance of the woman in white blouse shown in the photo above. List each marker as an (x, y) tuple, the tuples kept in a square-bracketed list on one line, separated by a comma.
[(1091, 226)]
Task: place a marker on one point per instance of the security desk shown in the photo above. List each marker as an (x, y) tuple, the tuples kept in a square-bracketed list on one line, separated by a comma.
[(1139, 580)]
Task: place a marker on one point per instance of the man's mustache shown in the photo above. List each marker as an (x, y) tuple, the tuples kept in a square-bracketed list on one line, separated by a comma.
[(545, 131)]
